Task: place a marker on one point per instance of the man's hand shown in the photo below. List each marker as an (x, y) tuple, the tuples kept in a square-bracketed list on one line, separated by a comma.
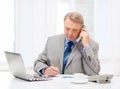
[(51, 71), (85, 37)]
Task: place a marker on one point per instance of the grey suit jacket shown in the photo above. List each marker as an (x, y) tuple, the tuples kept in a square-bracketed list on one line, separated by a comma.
[(53, 55)]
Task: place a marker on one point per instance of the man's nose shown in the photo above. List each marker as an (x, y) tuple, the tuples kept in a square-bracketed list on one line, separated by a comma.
[(70, 32)]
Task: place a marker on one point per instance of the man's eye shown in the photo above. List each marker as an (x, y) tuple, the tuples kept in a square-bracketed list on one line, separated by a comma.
[(67, 29), (74, 30)]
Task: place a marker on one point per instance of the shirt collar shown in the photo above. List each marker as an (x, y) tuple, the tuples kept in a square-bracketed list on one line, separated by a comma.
[(67, 40)]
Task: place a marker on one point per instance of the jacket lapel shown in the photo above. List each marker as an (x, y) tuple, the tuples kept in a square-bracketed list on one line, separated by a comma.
[(72, 55), (61, 49)]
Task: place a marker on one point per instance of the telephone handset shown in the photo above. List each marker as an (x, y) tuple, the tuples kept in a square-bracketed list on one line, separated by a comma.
[(80, 38)]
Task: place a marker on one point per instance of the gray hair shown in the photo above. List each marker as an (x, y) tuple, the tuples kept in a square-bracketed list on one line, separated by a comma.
[(75, 16)]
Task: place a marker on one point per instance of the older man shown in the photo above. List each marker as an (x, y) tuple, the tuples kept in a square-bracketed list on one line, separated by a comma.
[(71, 52)]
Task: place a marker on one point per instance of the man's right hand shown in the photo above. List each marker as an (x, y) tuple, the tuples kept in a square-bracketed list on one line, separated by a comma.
[(51, 71)]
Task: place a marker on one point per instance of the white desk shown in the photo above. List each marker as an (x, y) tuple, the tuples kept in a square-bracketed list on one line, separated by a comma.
[(7, 81)]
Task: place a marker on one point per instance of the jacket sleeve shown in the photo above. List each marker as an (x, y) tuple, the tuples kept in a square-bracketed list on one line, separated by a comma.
[(42, 61), (91, 65)]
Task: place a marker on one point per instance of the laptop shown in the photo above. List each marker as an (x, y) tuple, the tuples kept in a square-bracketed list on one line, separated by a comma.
[(17, 68)]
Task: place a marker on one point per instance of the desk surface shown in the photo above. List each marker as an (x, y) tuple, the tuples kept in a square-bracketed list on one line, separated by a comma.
[(7, 81)]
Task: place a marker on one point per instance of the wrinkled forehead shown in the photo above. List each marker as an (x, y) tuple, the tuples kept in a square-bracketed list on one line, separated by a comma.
[(72, 24)]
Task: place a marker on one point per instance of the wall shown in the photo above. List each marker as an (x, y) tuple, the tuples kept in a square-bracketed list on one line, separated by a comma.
[(107, 25), (34, 21), (107, 28)]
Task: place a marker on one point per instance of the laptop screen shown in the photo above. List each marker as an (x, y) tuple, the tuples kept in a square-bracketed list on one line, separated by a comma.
[(15, 63)]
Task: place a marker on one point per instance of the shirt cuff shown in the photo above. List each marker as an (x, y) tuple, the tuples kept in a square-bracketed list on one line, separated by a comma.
[(84, 49), (42, 71)]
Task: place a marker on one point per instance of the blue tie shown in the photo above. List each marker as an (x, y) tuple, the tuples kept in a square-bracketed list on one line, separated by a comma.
[(67, 54)]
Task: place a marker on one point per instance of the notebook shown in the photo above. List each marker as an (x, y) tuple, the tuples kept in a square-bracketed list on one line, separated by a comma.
[(17, 68)]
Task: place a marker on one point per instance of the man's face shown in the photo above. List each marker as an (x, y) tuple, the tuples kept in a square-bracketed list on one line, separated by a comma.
[(72, 29)]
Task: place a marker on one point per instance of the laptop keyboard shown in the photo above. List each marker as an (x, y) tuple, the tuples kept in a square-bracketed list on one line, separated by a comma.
[(33, 78)]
